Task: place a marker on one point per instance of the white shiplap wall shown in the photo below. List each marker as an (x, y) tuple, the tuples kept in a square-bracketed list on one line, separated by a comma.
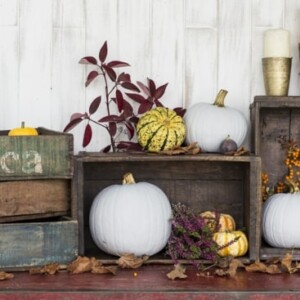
[(197, 46)]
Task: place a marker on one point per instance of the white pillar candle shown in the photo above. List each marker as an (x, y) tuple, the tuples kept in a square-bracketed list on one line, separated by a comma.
[(277, 43)]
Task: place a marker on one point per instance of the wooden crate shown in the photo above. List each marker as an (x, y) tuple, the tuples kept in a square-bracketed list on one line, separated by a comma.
[(47, 155), (204, 182), (31, 199), (271, 119), (26, 245)]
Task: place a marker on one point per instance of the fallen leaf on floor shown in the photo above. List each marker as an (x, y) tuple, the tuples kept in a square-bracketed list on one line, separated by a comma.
[(99, 268), (130, 261), (5, 276), (263, 268), (286, 263), (233, 266), (49, 269), (80, 265), (178, 272)]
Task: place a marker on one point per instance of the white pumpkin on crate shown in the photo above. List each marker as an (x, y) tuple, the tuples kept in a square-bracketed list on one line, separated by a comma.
[(131, 218), (280, 221), (210, 124)]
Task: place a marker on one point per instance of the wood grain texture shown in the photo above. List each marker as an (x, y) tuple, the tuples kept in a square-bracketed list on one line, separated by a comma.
[(197, 46)]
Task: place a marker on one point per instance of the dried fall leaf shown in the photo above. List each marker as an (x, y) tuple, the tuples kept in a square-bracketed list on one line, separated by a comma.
[(233, 265), (178, 272), (50, 269), (286, 263), (190, 149), (80, 265), (263, 268), (99, 268), (130, 261), (5, 276)]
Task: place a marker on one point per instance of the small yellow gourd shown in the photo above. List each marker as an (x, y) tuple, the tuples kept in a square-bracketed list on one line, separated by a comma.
[(237, 240), (23, 131), (226, 222)]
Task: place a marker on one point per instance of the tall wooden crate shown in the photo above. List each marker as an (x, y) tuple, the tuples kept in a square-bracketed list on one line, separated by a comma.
[(38, 219), (204, 182), (273, 118)]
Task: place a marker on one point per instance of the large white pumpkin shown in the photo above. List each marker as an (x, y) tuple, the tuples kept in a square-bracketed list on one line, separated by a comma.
[(131, 218), (210, 124), (281, 222)]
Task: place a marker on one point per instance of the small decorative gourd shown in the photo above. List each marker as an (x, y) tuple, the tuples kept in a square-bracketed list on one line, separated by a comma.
[(160, 129), (131, 218), (226, 222), (280, 221), (23, 131), (209, 124), (236, 240)]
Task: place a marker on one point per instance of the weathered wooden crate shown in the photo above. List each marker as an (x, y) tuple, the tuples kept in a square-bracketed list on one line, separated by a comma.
[(32, 199), (271, 119), (204, 182), (47, 155), (26, 245)]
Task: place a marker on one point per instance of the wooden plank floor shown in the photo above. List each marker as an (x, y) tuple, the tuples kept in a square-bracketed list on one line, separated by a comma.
[(151, 282)]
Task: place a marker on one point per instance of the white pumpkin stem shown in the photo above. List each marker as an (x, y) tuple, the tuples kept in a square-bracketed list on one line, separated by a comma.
[(220, 98), (128, 179), (292, 186)]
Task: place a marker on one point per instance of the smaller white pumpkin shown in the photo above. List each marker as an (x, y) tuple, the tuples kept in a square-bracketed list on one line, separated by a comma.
[(280, 221), (131, 218), (209, 124)]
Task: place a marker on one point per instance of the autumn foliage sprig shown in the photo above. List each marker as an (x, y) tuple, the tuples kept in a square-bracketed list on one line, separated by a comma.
[(191, 237), (119, 95)]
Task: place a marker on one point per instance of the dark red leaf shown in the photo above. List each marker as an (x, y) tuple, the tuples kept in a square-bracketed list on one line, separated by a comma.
[(160, 91), (134, 119), (129, 146), (77, 116), (117, 64), (158, 103), (144, 107), (152, 87), (87, 136), (144, 88), (88, 60), (92, 75), (180, 111), (137, 98), (130, 130), (106, 149), (124, 77), (119, 100), (103, 52), (94, 105), (130, 86), (111, 118), (110, 72), (73, 123), (112, 127), (127, 109)]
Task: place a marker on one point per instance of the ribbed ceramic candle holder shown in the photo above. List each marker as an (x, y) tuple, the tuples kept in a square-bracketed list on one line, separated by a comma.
[(277, 72)]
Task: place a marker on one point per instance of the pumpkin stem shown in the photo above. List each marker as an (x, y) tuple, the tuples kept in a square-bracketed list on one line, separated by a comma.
[(220, 98), (292, 185), (128, 179), (22, 124)]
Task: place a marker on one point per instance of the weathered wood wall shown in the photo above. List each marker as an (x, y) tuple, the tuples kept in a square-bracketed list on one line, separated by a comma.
[(198, 46)]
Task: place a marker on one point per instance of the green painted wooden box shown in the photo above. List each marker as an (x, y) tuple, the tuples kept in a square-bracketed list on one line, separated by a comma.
[(48, 155), (25, 245)]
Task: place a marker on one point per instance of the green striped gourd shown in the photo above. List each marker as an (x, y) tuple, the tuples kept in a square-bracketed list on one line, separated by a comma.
[(160, 129)]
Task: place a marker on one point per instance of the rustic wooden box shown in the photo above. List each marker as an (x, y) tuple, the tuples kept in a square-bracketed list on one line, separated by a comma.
[(271, 119), (47, 155), (205, 182), (31, 199), (26, 245)]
